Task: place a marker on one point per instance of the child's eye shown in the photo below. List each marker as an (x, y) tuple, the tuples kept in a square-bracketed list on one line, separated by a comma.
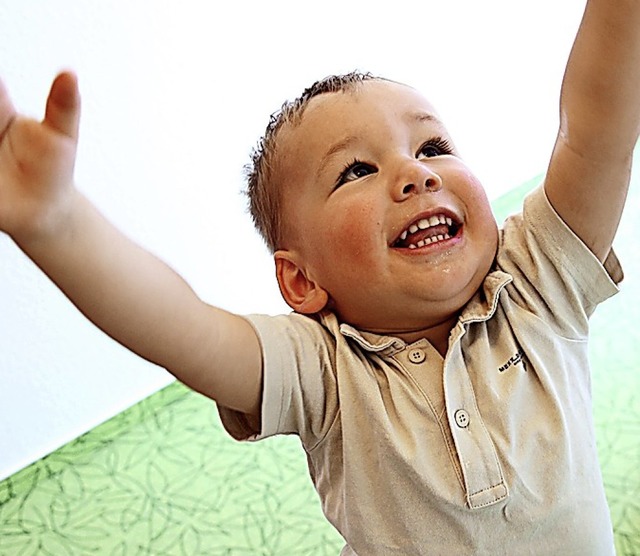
[(435, 147), (355, 170)]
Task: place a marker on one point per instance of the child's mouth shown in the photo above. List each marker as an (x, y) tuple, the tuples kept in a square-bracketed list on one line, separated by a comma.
[(428, 231)]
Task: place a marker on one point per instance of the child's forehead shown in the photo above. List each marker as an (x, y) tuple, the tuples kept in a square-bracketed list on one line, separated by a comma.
[(369, 95), (371, 110), (371, 117)]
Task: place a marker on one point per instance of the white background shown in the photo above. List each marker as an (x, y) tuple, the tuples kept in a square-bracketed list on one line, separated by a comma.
[(175, 94)]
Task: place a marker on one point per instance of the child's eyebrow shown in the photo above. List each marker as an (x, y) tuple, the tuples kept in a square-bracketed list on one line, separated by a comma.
[(343, 144), (424, 117), (335, 149)]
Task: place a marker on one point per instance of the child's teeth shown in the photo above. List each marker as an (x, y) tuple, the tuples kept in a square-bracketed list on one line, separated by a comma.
[(425, 223), (429, 241)]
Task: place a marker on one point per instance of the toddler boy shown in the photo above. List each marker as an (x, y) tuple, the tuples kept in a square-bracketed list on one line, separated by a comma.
[(435, 367)]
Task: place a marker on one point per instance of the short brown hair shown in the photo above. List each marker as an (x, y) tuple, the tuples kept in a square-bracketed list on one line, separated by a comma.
[(265, 198)]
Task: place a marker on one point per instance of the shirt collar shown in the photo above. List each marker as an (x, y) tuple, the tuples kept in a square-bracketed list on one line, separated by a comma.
[(484, 303), (370, 341), (480, 307)]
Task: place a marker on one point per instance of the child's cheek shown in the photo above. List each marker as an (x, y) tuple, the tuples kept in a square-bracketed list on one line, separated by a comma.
[(356, 232), (477, 189)]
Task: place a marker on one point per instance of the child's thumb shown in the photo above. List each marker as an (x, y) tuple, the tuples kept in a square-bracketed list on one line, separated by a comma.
[(63, 105)]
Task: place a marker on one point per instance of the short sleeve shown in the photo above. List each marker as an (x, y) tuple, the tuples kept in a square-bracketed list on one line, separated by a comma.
[(299, 390), (554, 273)]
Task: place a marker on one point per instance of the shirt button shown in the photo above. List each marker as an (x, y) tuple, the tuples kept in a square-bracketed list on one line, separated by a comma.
[(462, 418), (417, 356)]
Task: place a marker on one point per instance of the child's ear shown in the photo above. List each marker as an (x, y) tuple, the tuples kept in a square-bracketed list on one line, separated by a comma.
[(300, 292)]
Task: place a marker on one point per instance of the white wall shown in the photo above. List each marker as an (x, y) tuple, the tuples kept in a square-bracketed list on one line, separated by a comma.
[(175, 94)]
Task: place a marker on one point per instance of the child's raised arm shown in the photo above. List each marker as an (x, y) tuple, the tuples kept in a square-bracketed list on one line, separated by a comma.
[(589, 172), (127, 292)]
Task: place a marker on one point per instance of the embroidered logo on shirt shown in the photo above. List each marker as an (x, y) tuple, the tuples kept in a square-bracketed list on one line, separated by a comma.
[(516, 359)]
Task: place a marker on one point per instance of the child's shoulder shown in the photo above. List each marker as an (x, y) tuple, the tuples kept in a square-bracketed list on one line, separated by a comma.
[(554, 274)]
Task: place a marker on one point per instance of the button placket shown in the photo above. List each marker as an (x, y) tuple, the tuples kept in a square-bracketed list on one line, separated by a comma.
[(483, 477)]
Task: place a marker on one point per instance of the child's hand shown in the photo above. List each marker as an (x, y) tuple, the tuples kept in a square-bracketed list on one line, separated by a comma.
[(124, 290), (36, 162)]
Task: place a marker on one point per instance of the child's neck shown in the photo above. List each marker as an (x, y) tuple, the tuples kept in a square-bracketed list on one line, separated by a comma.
[(437, 335)]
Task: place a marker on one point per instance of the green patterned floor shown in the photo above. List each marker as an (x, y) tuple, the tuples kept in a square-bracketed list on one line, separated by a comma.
[(163, 478), (160, 479)]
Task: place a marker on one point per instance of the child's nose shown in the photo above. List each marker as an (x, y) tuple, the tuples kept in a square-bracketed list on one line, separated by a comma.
[(416, 177)]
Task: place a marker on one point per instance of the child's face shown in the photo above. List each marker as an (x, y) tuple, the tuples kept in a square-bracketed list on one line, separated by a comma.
[(360, 170)]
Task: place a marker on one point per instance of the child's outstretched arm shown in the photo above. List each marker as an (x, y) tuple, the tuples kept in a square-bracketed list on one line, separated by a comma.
[(127, 292), (589, 172)]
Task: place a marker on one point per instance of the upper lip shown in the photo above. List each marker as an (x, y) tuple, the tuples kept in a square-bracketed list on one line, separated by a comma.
[(425, 220)]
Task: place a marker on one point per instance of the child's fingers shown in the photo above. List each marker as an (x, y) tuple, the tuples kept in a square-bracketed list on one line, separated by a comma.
[(63, 105)]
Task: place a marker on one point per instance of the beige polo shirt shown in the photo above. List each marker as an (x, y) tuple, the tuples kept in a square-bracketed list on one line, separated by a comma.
[(490, 450)]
